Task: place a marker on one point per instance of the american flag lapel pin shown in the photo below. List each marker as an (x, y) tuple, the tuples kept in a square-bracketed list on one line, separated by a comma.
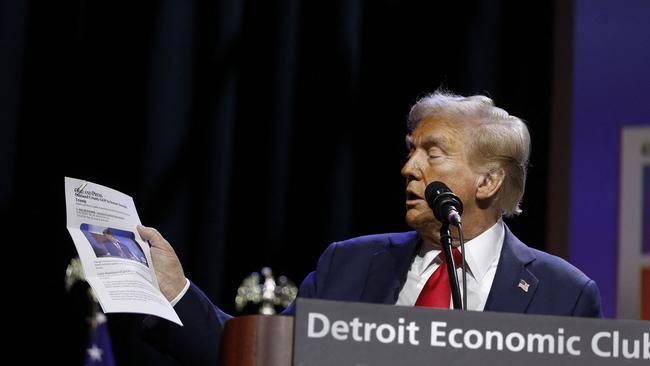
[(523, 285)]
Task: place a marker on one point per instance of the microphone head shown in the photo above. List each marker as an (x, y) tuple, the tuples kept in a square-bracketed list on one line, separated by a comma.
[(442, 201)]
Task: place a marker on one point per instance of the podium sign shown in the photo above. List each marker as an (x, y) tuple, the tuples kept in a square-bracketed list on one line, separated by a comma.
[(342, 333)]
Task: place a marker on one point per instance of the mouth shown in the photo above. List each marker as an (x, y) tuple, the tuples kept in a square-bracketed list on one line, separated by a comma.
[(412, 198)]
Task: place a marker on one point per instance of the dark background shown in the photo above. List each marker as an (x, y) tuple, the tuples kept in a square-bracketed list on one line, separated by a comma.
[(250, 133)]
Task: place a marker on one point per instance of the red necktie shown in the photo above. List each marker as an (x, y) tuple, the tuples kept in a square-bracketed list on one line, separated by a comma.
[(436, 292)]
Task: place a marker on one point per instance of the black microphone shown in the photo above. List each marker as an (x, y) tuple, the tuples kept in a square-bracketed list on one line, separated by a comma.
[(446, 206)]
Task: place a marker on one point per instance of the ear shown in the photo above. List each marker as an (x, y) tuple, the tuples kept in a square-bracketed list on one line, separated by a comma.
[(490, 183)]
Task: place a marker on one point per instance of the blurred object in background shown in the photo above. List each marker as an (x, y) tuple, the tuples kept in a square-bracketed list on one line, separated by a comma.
[(98, 350), (74, 273), (271, 296)]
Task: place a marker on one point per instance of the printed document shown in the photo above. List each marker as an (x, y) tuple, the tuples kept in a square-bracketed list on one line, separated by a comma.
[(116, 261)]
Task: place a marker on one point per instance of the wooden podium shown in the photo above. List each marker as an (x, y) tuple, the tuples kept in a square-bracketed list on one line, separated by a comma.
[(257, 340)]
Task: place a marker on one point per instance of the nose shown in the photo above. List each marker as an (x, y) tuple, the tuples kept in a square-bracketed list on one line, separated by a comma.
[(410, 170)]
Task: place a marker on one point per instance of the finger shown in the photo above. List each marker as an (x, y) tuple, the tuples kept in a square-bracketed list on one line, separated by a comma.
[(154, 238), (148, 233)]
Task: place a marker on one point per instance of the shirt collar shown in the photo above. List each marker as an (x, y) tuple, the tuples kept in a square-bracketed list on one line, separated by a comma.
[(482, 250), (420, 264)]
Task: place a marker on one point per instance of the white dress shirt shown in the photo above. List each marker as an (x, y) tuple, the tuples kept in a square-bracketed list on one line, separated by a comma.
[(482, 256), (181, 294)]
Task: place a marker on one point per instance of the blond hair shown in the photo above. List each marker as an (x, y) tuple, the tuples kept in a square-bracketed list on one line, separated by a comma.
[(495, 139)]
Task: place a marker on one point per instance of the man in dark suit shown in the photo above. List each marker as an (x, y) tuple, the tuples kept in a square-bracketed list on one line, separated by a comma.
[(115, 247), (481, 152)]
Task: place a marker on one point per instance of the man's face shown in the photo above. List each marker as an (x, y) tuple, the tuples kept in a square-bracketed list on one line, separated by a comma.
[(436, 153)]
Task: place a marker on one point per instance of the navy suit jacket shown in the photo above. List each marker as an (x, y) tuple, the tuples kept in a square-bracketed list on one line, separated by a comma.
[(373, 269)]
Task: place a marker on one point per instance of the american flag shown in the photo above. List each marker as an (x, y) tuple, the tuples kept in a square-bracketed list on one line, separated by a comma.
[(99, 350)]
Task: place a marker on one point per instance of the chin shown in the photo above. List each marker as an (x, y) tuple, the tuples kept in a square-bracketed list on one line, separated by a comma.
[(420, 220)]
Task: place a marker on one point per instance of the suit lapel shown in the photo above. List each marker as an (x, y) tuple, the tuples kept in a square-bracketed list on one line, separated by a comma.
[(388, 269), (514, 285)]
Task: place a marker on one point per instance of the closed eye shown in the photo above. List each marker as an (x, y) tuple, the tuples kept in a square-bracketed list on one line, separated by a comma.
[(435, 152)]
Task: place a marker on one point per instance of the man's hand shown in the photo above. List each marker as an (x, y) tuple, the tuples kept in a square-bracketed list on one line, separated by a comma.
[(168, 268)]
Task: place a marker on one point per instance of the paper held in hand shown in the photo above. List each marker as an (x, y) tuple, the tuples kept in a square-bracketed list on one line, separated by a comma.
[(115, 259)]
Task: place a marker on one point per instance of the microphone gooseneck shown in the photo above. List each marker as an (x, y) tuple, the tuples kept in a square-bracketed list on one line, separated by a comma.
[(447, 208)]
